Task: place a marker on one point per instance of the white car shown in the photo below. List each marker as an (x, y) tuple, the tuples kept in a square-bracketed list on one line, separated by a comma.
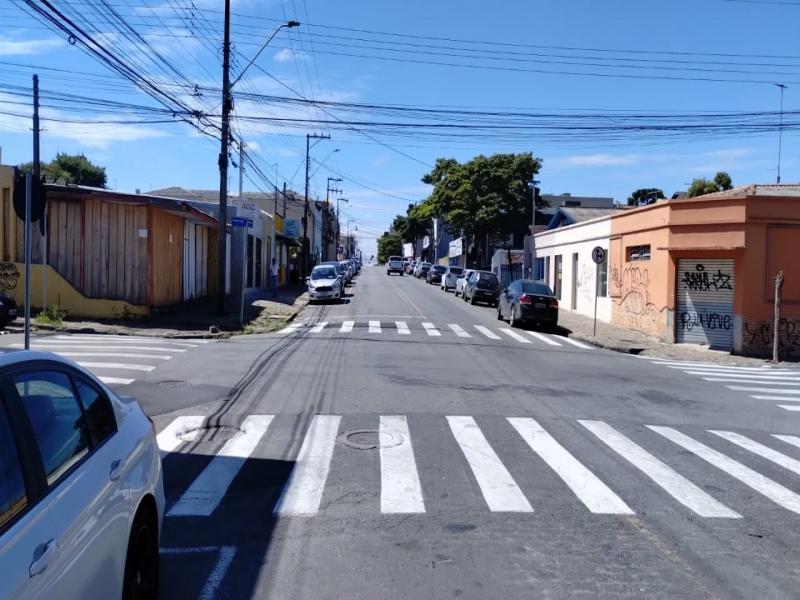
[(324, 283), (81, 489), (450, 277), (461, 281)]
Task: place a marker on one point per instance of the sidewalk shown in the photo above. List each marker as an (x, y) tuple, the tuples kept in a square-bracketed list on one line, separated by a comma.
[(197, 319), (628, 341)]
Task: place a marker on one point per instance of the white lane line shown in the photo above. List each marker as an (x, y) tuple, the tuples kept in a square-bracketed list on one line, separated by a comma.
[(303, 492), (487, 332), (347, 326), (402, 328), (748, 376), (53, 347), (431, 330), (457, 329), (672, 482), (781, 398), (789, 439), (515, 335), (319, 327), (211, 587), (543, 338), (741, 388), (207, 490), (695, 365), (128, 339), (755, 381), (181, 429), (401, 491), (115, 380), (121, 366), (575, 343), (501, 492), (794, 408), (374, 326), (772, 490), (761, 450), (597, 497), (116, 355)]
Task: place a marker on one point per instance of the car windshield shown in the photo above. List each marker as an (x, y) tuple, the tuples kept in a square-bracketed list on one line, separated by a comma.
[(439, 269), (531, 287), (456, 270), (489, 278), (426, 265), (326, 273)]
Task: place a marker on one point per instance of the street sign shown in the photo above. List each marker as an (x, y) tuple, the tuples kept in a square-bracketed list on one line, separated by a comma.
[(241, 222), (598, 254)]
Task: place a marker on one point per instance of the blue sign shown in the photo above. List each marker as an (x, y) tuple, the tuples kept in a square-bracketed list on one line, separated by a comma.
[(241, 222)]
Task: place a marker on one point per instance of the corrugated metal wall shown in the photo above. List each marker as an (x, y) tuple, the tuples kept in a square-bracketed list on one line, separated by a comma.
[(704, 304)]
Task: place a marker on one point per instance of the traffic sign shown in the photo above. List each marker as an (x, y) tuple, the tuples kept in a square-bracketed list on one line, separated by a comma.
[(241, 222), (598, 254)]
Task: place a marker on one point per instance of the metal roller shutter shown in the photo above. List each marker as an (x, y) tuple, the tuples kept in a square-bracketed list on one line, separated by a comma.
[(705, 302)]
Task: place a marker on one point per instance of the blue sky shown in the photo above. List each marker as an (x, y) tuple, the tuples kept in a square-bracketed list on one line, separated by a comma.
[(382, 170)]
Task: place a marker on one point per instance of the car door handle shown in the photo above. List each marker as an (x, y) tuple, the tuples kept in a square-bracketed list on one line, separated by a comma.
[(116, 469), (41, 557)]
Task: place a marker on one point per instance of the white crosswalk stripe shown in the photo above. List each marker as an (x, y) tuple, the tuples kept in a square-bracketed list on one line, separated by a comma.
[(347, 326), (374, 326), (121, 366), (758, 381), (514, 335), (594, 494), (115, 380), (764, 451), (789, 439), (54, 346), (745, 388), (793, 408), (781, 398), (763, 485), (125, 339), (676, 485), (457, 329), (206, 492), (575, 343), (402, 328), (431, 330), (749, 376), (182, 429), (115, 355), (291, 328), (543, 338), (401, 491), (487, 332), (319, 327)]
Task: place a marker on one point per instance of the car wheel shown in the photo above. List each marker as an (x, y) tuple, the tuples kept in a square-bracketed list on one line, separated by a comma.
[(499, 313), (472, 300), (512, 320), (141, 563)]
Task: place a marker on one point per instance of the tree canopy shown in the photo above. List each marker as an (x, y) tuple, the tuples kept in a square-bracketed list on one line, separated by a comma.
[(389, 244), (73, 169), (700, 187), (644, 195)]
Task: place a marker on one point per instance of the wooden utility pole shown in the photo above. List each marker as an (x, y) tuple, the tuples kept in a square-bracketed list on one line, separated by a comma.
[(776, 335), (223, 160)]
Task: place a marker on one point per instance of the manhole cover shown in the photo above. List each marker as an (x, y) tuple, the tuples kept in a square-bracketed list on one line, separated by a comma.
[(210, 433), (370, 439), (173, 383)]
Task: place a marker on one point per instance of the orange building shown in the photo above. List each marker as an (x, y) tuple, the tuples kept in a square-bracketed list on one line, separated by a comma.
[(702, 270)]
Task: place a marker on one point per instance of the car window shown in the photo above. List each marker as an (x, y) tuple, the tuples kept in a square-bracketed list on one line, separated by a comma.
[(97, 407), (536, 288), (13, 499), (59, 427), (456, 270), (490, 277)]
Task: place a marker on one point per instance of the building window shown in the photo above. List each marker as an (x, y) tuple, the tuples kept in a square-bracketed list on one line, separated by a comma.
[(602, 278), (539, 274), (558, 276), (638, 253)]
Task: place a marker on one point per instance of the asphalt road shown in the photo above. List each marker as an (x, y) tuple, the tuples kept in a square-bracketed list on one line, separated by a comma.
[(349, 459)]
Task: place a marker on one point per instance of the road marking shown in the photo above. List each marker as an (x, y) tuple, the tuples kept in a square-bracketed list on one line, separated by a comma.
[(207, 490), (761, 450), (116, 355), (181, 429), (347, 327), (739, 388), (772, 490), (319, 327), (128, 339), (214, 580), (51, 346), (487, 332), (121, 366), (758, 381), (401, 491), (374, 326), (501, 492), (594, 494), (458, 330), (402, 328), (543, 338), (575, 343), (694, 365), (303, 492), (789, 439), (749, 376), (431, 330), (675, 484), (115, 380), (291, 328), (783, 398), (794, 408), (515, 335)]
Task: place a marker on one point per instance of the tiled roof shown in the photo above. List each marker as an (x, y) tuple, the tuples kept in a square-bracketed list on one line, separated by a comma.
[(758, 189), (577, 215)]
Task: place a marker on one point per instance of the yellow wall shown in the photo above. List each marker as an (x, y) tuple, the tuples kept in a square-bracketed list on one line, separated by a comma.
[(63, 295), (8, 218)]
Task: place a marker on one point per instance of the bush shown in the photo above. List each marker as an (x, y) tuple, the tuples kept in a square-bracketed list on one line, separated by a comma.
[(52, 315)]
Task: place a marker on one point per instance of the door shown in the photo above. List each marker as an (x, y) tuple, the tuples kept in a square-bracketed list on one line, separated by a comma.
[(574, 298), (704, 307), (557, 277), (259, 267)]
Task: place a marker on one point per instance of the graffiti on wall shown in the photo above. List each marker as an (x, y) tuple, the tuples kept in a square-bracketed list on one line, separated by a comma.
[(631, 285), (760, 334), (706, 321), (9, 276), (586, 283), (701, 280)]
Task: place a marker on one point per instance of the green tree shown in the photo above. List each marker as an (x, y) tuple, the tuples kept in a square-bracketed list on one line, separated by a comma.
[(390, 243), (700, 187), (73, 169), (642, 195)]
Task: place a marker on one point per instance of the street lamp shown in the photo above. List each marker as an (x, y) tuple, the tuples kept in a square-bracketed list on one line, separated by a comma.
[(287, 25)]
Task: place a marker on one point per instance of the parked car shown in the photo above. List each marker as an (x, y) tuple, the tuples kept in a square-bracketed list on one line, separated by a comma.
[(81, 493), (8, 310), (348, 272), (482, 286), (395, 265), (340, 269), (527, 301), (450, 277), (411, 267), (434, 274), (324, 283), (461, 282), (422, 269)]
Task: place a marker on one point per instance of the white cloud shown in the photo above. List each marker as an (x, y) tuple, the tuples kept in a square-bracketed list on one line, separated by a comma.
[(381, 160), (594, 160), (286, 55), (254, 146), (21, 47)]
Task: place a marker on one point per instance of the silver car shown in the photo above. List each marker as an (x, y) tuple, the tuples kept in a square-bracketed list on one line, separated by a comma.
[(461, 282), (324, 283)]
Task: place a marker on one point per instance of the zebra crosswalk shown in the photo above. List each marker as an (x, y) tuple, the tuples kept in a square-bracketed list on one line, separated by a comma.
[(500, 470), (760, 383), (114, 359), (428, 329)]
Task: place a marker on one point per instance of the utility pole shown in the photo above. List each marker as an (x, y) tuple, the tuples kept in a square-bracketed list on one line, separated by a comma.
[(339, 224), (38, 176), (306, 243), (328, 191), (780, 130), (223, 160)]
